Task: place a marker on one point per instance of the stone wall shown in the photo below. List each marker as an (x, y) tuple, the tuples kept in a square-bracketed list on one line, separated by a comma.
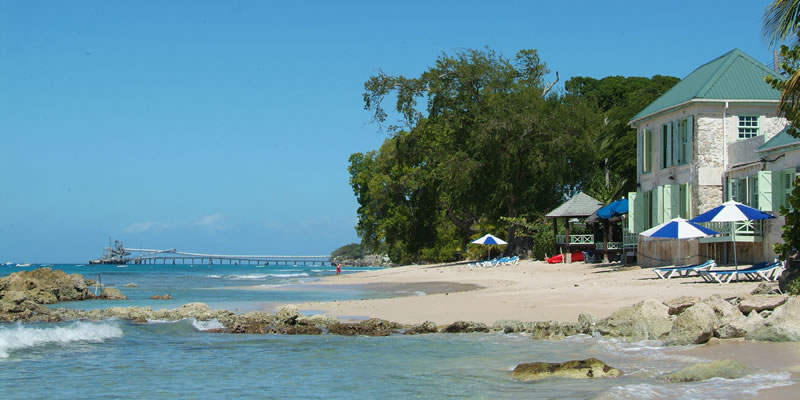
[(708, 140), (705, 198)]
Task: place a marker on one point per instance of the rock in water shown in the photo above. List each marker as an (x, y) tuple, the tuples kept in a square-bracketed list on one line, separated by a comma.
[(161, 297), (727, 369), (576, 369), (112, 294), (647, 320)]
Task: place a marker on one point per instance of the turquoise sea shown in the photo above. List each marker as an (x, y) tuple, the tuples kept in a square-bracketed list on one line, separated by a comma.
[(179, 360)]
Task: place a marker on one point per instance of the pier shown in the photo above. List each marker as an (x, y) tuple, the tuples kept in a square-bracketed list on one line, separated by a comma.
[(119, 254)]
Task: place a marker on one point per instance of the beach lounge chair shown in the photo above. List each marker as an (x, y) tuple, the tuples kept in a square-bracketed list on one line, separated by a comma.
[(761, 271), (511, 260), (667, 273)]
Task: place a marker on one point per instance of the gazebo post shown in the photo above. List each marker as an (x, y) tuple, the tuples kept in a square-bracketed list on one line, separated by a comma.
[(605, 241), (568, 255), (555, 235)]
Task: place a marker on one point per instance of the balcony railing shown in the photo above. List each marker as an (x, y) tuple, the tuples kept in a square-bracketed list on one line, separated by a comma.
[(575, 239), (611, 245), (746, 231), (630, 240)]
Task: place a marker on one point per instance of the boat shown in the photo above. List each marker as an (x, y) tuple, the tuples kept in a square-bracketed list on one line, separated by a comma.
[(122, 266), (24, 265)]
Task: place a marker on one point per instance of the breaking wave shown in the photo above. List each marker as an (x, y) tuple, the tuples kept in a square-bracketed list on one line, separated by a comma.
[(22, 337)]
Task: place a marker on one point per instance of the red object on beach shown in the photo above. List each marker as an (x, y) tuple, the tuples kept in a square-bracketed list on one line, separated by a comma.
[(559, 258), (556, 259)]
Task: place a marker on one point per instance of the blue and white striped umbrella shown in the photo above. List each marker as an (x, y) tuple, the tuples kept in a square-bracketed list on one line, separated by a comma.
[(678, 228), (489, 239), (731, 211)]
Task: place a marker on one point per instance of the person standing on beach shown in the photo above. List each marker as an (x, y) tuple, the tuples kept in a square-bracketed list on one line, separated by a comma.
[(338, 268)]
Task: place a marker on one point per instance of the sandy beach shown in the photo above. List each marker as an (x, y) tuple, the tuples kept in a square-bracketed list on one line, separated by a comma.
[(528, 291)]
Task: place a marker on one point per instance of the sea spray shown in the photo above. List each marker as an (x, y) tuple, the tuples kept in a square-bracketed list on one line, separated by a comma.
[(22, 337)]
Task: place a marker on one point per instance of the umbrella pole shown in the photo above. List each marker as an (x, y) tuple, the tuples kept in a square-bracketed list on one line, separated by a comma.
[(735, 261)]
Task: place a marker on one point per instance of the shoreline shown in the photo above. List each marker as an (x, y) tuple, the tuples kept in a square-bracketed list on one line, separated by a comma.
[(528, 291)]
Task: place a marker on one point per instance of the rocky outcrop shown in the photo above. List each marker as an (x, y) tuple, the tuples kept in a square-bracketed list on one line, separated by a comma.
[(760, 303), (423, 328), (678, 304), (782, 325), (694, 325), (647, 320), (576, 369), (112, 294), (161, 297), (465, 327), (46, 286), (727, 369), (370, 327)]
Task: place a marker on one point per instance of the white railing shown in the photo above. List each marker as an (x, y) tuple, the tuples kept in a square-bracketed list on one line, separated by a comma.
[(611, 245), (575, 239), (742, 228)]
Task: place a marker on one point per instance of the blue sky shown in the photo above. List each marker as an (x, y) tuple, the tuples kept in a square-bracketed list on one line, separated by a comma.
[(225, 126)]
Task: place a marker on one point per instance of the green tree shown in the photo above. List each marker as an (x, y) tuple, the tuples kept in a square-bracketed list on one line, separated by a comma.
[(618, 99), (476, 140)]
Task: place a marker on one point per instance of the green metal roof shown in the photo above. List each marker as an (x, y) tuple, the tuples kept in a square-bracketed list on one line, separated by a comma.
[(781, 139), (731, 76)]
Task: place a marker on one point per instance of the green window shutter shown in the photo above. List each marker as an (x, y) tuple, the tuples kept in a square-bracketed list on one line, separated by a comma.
[(689, 213), (675, 200), (636, 212), (731, 189), (649, 150), (689, 139), (666, 202), (675, 142), (658, 207), (765, 188), (639, 154)]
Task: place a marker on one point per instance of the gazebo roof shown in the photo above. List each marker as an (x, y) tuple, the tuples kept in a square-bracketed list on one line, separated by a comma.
[(580, 205)]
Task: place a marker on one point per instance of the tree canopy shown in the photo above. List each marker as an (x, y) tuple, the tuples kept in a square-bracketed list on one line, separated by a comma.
[(480, 144)]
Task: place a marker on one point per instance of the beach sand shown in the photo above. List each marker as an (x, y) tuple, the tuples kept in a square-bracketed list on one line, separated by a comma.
[(528, 291)]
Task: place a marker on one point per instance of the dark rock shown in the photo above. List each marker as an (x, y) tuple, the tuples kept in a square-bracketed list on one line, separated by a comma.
[(577, 369), (370, 327), (465, 327), (423, 328), (161, 297)]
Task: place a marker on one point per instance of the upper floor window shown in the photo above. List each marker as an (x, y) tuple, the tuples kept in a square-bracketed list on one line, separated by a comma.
[(748, 126), (647, 151)]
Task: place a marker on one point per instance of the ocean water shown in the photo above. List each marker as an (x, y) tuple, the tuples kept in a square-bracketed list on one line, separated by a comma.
[(179, 360)]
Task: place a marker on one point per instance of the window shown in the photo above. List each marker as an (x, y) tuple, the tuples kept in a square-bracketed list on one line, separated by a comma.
[(666, 145), (748, 126), (752, 183), (648, 212)]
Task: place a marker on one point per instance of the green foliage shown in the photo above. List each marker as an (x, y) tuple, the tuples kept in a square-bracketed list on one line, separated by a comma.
[(793, 287), (478, 140), (618, 99), (791, 226), (351, 251)]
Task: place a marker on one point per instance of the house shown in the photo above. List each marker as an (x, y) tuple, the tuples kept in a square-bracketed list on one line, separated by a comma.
[(716, 135)]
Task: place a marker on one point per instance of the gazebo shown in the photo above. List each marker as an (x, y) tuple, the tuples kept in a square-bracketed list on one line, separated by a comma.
[(608, 216), (579, 206)]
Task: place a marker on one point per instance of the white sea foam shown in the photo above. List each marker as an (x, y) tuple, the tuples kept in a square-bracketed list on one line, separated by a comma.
[(716, 388), (207, 325), (22, 337)]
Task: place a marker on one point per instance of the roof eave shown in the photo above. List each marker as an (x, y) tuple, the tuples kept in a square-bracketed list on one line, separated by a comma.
[(679, 105)]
